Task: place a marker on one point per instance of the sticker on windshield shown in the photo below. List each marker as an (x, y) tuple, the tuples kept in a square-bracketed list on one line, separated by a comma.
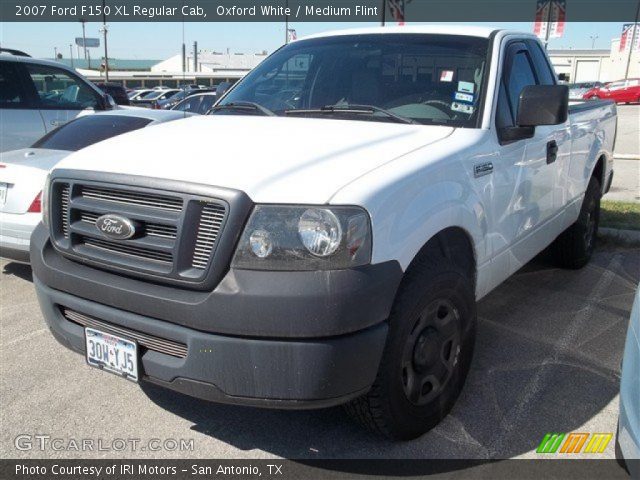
[(466, 87), (462, 107), (446, 76), (463, 97)]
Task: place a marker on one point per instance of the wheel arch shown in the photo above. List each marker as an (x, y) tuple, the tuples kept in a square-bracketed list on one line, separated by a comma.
[(456, 245), (599, 169)]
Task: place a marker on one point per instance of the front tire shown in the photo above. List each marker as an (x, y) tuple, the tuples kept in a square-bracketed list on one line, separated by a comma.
[(428, 352), (574, 247)]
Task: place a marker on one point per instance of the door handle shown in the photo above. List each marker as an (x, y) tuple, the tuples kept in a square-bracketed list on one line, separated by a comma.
[(552, 151)]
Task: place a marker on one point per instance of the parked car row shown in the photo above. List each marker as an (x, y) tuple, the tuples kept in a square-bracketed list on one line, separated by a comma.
[(23, 171), (622, 91)]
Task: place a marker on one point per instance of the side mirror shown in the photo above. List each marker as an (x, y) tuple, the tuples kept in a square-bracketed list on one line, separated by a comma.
[(543, 105), (538, 105), (108, 103)]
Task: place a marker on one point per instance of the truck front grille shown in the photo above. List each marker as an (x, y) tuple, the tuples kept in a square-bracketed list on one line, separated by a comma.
[(133, 198), (176, 235), (124, 249), (151, 342), (64, 210), (153, 229), (211, 219)]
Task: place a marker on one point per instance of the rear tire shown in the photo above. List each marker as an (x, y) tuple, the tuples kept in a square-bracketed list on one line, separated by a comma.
[(574, 247), (428, 352)]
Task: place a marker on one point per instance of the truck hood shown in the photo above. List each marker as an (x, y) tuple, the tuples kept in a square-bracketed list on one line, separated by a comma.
[(272, 159)]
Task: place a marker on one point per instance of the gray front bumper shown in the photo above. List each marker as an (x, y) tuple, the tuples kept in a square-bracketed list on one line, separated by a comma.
[(309, 343)]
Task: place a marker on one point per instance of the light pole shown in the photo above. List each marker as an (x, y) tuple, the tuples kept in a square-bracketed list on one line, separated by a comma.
[(593, 41), (71, 53), (286, 23), (84, 39), (104, 30), (55, 53)]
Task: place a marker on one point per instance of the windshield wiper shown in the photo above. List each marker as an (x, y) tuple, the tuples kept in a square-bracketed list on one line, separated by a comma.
[(352, 108), (244, 106)]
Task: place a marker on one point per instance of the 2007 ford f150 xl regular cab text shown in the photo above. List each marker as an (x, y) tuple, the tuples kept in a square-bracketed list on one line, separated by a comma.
[(323, 235)]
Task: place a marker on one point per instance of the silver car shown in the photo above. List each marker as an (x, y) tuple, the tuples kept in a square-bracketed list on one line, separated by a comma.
[(23, 172), (36, 96), (628, 438)]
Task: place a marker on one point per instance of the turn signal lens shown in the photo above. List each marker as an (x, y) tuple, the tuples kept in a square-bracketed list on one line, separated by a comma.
[(261, 244), (45, 200)]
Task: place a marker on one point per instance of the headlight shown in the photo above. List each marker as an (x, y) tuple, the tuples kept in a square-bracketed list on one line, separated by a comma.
[(304, 238), (45, 200)]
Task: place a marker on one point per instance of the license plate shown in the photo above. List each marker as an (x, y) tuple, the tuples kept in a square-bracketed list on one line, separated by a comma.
[(3, 192), (112, 353)]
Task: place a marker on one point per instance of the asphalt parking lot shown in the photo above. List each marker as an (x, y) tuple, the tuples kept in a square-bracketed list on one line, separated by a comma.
[(628, 136), (547, 360)]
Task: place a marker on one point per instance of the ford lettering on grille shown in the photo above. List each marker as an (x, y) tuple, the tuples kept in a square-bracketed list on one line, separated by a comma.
[(115, 226)]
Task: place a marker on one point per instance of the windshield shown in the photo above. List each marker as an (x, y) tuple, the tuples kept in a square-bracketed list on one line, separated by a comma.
[(430, 79), (85, 131)]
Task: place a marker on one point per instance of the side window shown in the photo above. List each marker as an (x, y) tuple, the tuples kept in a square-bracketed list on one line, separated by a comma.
[(189, 104), (504, 118), (207, 103), (11, 94), (520, 75), (58, 90), (545, 74)]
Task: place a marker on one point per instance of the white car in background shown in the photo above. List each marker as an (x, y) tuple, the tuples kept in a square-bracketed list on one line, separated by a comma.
[(23, 172), (37, 96)]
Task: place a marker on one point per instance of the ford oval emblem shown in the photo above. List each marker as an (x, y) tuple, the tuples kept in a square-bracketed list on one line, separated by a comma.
[(115, 226)]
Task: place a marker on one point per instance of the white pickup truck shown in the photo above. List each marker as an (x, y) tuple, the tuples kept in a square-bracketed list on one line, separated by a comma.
[(323, 235)]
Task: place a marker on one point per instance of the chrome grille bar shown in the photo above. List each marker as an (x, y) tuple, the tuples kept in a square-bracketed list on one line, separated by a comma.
[(133, 198), (64, 205), (211, 219), (153, 229), (151, 342), (127, 249)]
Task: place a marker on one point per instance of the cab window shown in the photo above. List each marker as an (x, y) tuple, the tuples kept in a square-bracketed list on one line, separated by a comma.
[(11, 94), (59, 90)]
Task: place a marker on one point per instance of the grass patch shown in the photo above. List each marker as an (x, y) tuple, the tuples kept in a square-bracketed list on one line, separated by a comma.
[(621, 215)]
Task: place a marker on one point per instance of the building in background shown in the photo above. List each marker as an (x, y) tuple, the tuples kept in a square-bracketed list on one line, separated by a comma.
[(213, 67), (595, 65)]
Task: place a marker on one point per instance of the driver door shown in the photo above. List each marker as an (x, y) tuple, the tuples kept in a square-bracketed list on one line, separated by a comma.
[(525, 177)]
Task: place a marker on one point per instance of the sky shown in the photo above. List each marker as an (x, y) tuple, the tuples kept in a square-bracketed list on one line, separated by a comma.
[(158, 41)]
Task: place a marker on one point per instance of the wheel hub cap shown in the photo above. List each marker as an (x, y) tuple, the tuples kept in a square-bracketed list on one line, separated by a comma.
[(431, 352)]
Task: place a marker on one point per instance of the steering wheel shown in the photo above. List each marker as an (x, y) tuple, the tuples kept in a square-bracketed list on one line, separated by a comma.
[(441, 105)]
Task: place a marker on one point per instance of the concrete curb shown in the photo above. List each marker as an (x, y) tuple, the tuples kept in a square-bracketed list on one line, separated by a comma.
[(624, 156), (630, 237)]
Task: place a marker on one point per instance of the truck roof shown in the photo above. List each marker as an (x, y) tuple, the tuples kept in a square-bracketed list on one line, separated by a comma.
[(468, 30)]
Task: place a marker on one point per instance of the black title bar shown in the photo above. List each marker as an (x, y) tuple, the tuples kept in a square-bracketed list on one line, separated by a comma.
[(305, 10)]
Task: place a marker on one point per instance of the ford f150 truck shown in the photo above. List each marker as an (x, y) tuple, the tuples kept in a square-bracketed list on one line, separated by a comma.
[(363, 190)]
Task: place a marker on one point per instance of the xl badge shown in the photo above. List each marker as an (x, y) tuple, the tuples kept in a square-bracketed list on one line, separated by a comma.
[(115, 226)]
